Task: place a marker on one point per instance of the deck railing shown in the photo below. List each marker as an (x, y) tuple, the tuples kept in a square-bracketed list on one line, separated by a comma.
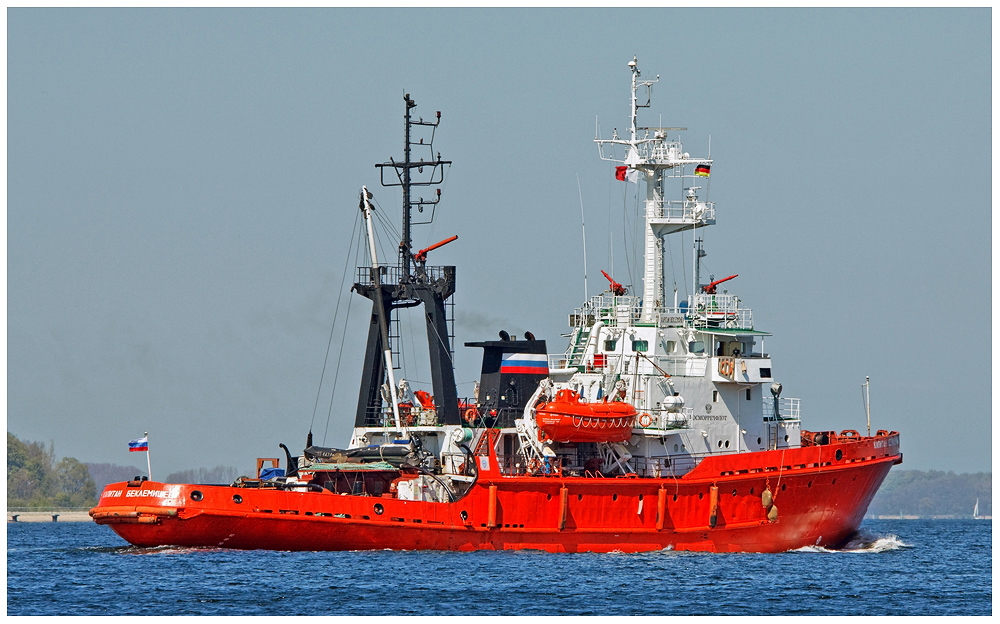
[(788, 409)]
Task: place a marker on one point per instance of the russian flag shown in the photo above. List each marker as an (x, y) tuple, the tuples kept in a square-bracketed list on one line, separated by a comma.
[(140, 445), (524, 363)]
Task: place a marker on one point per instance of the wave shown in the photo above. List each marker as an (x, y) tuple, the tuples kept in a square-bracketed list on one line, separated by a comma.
[(864, 541), (167, 550)]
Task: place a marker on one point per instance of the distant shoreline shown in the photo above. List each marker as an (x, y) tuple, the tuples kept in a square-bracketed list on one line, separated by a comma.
[(83, 516), (905, 517), (47, 516)]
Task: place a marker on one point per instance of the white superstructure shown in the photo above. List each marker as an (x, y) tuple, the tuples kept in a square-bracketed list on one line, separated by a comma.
[(695, 370)]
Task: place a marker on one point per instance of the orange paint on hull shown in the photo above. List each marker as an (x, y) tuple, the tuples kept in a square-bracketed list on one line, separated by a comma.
[(822, 501)]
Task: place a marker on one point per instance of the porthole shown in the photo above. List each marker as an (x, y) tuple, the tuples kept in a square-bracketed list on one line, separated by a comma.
[(720, 443), (840, 454), (614, 497), (464, 515), (701, 495), (237, 499), (810, 484), (758, 440), (783, 486), (640, 498), (786, 438), (579, 497), (734, 491), (751, 491), (675, 497), (379, 509), (675, 448), (727, 443), (196, 495), (834, 481), (548, 497)]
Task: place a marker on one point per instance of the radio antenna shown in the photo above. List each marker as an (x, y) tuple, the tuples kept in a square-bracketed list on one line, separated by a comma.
[(583, 224)]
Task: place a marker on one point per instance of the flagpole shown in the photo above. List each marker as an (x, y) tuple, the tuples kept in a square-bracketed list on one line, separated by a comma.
[(149, 471), (868, 405)]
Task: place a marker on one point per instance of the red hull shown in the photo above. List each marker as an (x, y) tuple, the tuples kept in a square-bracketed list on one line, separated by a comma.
[(821, 500)]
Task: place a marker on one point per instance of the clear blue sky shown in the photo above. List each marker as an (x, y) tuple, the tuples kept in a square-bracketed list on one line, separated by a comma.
[(182, 186)]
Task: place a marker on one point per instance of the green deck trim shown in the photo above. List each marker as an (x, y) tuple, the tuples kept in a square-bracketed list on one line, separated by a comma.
[(722, 331)]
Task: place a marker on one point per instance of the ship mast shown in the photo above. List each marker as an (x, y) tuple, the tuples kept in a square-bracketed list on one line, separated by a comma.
[(405, 179), (412, 283), (649, 150)]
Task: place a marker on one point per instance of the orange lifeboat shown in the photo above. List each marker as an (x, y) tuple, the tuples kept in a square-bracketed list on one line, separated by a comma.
[(568, 419)]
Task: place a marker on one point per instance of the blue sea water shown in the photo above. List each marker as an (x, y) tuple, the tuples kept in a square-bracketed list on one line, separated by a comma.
[(895, 567)]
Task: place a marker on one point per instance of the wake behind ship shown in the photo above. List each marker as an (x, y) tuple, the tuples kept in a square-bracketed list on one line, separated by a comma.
[(658, 427)]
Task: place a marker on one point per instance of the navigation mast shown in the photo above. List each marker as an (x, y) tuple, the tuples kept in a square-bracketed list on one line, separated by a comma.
[(410, 284), (657, 157)]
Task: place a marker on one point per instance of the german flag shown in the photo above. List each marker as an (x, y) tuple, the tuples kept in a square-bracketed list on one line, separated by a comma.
[(702, 170)]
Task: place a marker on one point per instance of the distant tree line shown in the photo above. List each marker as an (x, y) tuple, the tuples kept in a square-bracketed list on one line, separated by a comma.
[(933, 493), (105, 474), (35, 479), (112, 473), (218, 475)]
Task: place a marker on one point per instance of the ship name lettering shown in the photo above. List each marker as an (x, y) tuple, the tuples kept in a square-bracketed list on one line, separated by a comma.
[(111, 494), (147, 493), (709, 417)]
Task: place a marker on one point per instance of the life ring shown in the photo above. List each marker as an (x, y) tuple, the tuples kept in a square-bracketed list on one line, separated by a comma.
[(725, 367), (645, 420), (470, 415), (533, 465)]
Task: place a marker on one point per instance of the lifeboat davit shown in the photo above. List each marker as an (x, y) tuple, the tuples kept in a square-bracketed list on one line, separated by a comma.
[(568, 419)]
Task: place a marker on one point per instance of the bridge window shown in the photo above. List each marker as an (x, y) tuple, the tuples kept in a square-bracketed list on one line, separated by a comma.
[(696, 347), (609, 345), (671, 346), (640, 345)]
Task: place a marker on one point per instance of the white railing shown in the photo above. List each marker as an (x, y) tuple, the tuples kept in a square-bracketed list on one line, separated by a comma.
[(700, 310), (662, 419), (788, 409), (705, 310), (560, 361), (683, 366), (688, 211), (611, 310)]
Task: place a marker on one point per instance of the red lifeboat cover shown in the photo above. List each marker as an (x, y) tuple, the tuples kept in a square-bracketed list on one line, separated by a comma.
[(568, 419)]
